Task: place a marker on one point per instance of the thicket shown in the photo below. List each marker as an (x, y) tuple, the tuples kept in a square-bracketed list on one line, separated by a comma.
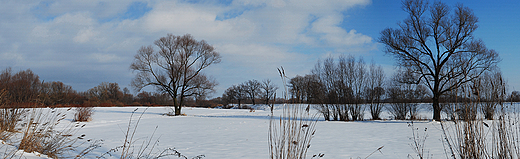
[(344, 88), (251, 91), (25, 89), (341, 88)]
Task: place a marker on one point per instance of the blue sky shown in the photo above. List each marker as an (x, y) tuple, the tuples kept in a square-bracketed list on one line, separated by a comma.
[(84, 43)]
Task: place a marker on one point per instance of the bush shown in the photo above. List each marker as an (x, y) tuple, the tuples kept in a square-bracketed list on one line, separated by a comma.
[(83, 114)]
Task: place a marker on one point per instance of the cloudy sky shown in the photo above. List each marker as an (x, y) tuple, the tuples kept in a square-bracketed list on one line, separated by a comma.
[(84, 43)]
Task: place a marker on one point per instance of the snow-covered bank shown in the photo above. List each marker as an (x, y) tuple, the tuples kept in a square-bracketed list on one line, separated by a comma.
[(241, 133)]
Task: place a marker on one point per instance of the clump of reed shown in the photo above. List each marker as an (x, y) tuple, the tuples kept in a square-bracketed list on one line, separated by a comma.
[(290, 135), (83, 114)]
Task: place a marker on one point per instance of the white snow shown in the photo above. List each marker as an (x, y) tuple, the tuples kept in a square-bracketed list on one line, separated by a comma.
[(240, 133)]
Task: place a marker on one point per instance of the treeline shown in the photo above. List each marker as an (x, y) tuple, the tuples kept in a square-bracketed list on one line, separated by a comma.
[(344, 88), (251, 91), (25, 89)]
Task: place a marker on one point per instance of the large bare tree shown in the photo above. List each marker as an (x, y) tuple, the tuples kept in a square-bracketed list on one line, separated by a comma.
[(252, 89), (176, 68), (269, 89), (436, 42)]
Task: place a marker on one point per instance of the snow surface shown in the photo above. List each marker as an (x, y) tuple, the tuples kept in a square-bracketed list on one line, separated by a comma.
[(240, 133)]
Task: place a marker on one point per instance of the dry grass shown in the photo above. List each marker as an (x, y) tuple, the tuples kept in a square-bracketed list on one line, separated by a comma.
[(9, 117), (470, 136), (290, 136), (419, 141), (41, 134), (83, 114)]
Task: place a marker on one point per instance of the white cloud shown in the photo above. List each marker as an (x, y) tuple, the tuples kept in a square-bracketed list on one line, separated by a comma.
[(337, 36), (12, 54), (199, 21), (257, 37), (84, 35), (105, 58), (99, 8)]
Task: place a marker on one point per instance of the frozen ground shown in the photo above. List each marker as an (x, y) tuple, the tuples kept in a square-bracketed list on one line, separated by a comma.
[(235, 133)]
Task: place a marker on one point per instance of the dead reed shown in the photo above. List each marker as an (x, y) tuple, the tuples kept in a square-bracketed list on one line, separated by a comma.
[(470, 136), (83, 114), (9, 117), (419, 141), (41, 133), (290, 135)]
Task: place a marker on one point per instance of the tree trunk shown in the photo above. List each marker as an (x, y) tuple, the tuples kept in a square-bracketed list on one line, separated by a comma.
[(178, 108), (436, 108), (175, 105), (253, 99)]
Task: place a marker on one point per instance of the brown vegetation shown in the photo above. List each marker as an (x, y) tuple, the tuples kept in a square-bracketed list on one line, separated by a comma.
[(290, 136), (83, 114)]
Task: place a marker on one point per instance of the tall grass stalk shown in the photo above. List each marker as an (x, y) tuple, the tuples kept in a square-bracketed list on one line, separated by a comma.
[(419, 141), (290, 135), (470, 136)]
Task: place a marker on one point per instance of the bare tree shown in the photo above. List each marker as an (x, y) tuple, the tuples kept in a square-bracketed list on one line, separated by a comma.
[(297, 88), (404, 97), (490, 88), (439, 47), (106, 92), (21, 87), (305, 89), (235, 93), (515, 96), (269, 89), (252, 89), (375, 90), (357, 108), (52, 93), (176, 68), (340, 87)]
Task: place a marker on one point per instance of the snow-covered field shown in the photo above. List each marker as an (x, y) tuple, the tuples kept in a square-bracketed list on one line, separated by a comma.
[(239, 133)]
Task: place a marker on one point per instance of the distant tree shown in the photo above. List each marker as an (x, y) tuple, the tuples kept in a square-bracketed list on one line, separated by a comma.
[(490, 89), (515, 96), (297, 88), (176, 68), (375, 90), (438, 47), (235, 93), (144, 98), (149, 98), (252, 89), (21, 87), (269, 89), (404, 97), (53, 93), (341, 86), (305, 89), (128, 98), (106, 92)]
